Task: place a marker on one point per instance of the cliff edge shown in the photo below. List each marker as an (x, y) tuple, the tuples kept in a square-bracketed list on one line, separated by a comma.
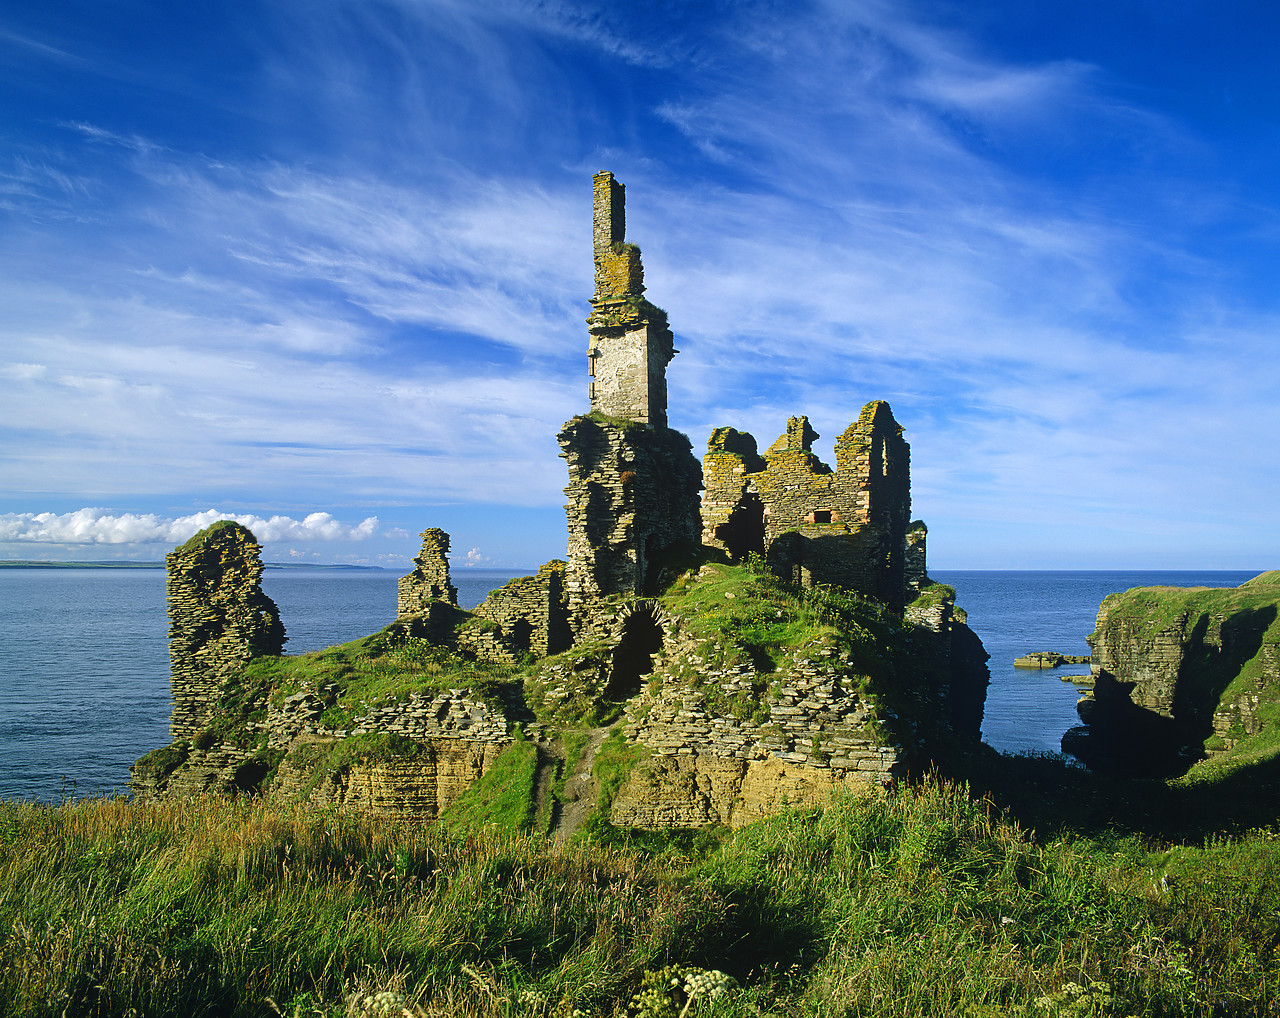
[(1180, 674)]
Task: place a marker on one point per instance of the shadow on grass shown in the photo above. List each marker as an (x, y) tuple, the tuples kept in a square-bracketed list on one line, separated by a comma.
[(1052, 796)]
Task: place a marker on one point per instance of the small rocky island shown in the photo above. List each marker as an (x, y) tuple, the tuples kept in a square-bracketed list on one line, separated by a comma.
[(692, 660)]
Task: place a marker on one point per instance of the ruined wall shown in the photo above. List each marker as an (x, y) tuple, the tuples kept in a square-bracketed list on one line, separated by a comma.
[(633, 496), (531, 612), (633, 483), (846, 527), (429, 580), (630, 343), (219, 618)]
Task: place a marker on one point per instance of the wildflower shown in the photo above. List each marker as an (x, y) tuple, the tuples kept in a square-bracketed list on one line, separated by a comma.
[(384, 1002)]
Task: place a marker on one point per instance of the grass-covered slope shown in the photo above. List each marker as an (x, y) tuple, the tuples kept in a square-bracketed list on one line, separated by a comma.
[(921, 902), (726, 614)]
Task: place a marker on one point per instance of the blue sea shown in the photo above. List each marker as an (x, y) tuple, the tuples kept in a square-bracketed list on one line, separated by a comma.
[(84, 670)]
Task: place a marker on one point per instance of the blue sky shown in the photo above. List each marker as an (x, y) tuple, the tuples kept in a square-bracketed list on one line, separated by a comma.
[(324, 265)]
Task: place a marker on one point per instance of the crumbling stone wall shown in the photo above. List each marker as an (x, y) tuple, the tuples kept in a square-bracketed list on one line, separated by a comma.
[(633, 483), (633, 496), (847, 527), (532, 612), (429, 580), (219, 618), (630, 343), (915, 570)]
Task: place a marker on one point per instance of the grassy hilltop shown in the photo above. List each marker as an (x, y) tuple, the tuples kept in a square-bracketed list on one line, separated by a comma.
[(996, 886)]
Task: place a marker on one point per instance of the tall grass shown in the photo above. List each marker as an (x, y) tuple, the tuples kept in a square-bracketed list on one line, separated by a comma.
[(920, 902)]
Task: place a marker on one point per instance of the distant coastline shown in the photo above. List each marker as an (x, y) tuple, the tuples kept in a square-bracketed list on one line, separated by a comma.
[(34, 564), (116, 564)]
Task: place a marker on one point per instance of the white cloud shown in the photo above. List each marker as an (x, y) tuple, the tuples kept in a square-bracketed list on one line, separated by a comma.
[(100, 526)]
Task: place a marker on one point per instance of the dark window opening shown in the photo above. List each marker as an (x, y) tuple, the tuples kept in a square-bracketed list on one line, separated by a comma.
[(822, 516), (522, 634), (633, 658), (743, 532)]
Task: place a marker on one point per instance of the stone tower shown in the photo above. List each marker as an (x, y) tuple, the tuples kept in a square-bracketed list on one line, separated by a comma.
[(429, 580), (633, 482), (630, 343), (219, 618)]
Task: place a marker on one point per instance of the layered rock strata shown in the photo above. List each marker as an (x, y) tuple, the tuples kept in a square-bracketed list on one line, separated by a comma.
[(422, 787), (219, 618), (1178, 673)]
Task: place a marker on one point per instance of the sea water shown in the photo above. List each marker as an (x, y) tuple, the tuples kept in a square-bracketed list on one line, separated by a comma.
[(84, 670), (1016, 612)]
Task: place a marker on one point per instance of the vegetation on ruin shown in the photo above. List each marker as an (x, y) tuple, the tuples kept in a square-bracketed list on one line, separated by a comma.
[(354, 677), (502, 799), (924, 901), (199, 538)]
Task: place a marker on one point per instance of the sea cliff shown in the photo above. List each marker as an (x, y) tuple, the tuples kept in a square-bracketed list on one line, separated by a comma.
[(1181, 673)]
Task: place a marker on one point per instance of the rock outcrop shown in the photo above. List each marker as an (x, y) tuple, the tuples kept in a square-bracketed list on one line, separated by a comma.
[(1178, 673), (1040, 659)]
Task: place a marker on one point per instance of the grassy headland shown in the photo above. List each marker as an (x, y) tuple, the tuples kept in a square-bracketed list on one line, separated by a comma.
[(1009, 886), (925, 901)]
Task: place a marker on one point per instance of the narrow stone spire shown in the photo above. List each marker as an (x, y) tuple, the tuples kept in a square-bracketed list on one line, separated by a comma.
[(630, 342), (610, 209)]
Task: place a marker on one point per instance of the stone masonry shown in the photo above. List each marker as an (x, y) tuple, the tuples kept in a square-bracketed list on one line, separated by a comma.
[(633, 482), (532, 612), (219, 618), (847, 527), (429, 580), (633, 494), (630, 344)]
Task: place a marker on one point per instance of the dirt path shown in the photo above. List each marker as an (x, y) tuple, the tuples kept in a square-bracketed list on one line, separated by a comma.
[(579, 791)]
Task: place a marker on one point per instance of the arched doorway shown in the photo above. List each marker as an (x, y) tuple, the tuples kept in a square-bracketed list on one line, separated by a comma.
[(641, 638)]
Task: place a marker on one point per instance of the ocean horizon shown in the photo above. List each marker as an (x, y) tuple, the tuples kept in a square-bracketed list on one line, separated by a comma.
[(85, 674)]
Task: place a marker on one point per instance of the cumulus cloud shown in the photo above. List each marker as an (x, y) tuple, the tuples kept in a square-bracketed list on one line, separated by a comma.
[(100, 526)]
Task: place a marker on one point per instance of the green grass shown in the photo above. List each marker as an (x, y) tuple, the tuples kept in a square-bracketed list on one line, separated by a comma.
[(356, 676), (501, 799), (926, 901)]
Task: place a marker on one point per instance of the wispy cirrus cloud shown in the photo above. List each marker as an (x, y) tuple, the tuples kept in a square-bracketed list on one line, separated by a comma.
[(373, 289)]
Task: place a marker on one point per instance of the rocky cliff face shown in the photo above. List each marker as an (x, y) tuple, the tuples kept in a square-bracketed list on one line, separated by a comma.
[(1180, 673)]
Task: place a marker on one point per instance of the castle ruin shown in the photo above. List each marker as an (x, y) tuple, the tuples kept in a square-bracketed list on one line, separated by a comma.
[(219, 618), (847, 527), (589, 634)]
